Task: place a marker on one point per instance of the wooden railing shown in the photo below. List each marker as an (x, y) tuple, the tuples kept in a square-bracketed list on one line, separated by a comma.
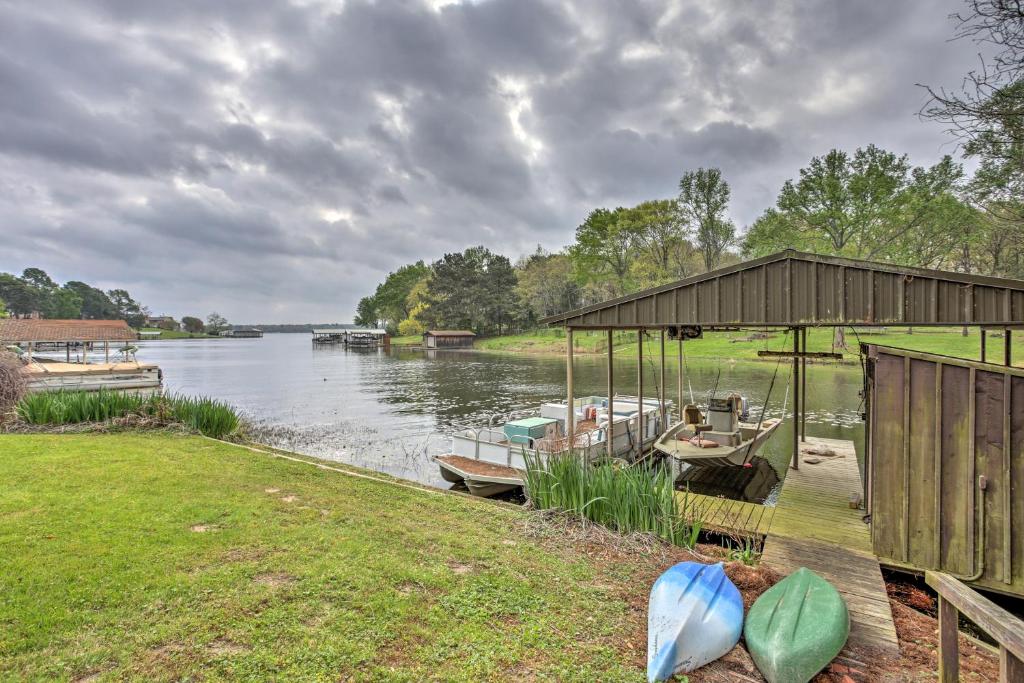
[(957, 598)]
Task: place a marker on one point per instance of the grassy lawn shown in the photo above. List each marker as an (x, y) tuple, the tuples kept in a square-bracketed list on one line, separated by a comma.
[(163, 557), (738, 346), (175, 334), (408, 340)]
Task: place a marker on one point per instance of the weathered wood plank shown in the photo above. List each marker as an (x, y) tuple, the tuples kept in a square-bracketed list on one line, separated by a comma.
[(1006, 629), (814, 526)]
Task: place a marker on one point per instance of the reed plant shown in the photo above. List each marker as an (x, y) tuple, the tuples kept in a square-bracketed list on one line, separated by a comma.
[(624, 498), (207, 416)]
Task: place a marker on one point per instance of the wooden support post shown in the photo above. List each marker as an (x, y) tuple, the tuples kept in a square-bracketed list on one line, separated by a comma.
[(796, 399), (1007, 345), (31, 345), (949, 646), (680, 354), (661, 384), (106, 352), (570, 418), (611, 400), (640, 392), (803, 385), (1011, 669), (982, 344), (67, 351)]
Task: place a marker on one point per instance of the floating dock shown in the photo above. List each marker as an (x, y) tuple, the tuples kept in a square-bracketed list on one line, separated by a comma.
[(812, 525)]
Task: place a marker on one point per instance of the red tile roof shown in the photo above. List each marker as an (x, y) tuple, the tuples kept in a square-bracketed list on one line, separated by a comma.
[(28, 330)]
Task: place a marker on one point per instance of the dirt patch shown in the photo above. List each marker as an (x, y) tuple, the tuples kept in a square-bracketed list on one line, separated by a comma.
[(289, 499), (87, 678), (271, 490), (273, 579), (460, 568), (919, 646), (223, 647), (204, 528)]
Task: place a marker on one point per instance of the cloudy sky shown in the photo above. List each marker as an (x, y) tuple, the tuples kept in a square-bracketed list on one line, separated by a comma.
[(273, 161)]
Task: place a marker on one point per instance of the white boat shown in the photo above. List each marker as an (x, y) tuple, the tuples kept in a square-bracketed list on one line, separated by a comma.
[(717, 438), (492, 459)]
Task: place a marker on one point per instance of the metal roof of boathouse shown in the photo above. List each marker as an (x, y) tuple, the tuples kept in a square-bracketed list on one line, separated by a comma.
[(43, 330), (792, 288)]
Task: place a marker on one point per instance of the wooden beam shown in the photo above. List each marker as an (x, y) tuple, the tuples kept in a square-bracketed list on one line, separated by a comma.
[(640, 391), (570, 418), (661, 385), (796, 399), (611, 398), (949, 645), (803, 379), (800, 354), (1006, 629), (1007, 348), (680, 382)]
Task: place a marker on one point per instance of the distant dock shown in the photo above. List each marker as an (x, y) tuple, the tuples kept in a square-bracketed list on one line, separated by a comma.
[(372, 339)]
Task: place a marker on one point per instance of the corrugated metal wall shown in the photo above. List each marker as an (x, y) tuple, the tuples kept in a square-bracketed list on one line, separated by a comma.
[(808, 289), (936, 427)]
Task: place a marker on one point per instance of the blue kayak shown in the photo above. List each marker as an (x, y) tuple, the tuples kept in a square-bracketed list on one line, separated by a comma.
[(695, 616)]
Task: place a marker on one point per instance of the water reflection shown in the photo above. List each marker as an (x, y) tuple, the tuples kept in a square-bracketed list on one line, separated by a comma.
[(388, 411), (757, 482)]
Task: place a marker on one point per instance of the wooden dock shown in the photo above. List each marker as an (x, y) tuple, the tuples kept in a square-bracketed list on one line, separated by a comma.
[(815, 527), (812, 525)]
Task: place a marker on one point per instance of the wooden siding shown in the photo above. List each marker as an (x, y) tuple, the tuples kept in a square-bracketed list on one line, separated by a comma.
[(937, 426), (792, 288)]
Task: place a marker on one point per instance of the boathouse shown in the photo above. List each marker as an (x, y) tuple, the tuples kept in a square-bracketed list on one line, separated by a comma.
[(942, 487), (448, 339), (77, 339), (243, 333)]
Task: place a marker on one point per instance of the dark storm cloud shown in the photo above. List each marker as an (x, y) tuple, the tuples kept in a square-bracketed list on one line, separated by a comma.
[(274, 161)]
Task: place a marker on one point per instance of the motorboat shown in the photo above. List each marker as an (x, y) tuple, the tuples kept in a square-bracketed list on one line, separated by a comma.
[(717, 437), (491, 460)]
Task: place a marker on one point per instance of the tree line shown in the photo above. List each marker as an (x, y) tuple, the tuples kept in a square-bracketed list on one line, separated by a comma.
[(868, 203), (34, 292)]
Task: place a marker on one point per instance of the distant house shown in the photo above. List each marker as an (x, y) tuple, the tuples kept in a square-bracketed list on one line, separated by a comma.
[(448, 339), (163, 322)]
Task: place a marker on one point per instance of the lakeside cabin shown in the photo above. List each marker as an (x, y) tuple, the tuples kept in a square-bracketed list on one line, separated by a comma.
[(29, 338), (448, 339)]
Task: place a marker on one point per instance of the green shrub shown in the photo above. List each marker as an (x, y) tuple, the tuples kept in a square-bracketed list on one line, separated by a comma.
[(206, 416), (623, 498)]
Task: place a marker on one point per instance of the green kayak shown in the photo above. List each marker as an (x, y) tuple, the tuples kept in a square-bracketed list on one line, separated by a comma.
[(796, 628)]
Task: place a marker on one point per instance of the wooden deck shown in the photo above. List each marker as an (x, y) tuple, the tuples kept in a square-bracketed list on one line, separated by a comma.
[(728, 516), (814, 527)]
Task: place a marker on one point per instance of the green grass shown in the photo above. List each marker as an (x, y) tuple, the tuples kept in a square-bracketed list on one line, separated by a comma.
[(738, 346), (408, 340), (626, 499), (160, 557), (205, 415), (176, 334)]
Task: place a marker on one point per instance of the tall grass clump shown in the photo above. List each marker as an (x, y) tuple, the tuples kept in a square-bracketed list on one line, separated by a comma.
[(626, 499), (206, 416)]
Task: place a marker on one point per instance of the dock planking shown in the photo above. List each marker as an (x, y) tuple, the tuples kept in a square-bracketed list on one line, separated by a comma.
[(814, 526)]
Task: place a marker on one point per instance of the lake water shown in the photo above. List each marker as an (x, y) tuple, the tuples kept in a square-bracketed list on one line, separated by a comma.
[(389, 411)]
